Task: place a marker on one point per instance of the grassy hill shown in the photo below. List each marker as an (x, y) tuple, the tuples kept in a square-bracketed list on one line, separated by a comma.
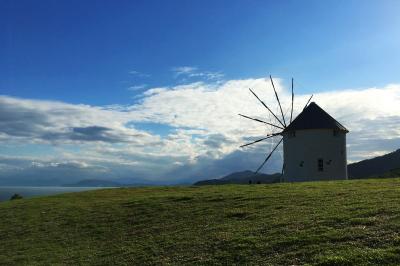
[(323, 223)]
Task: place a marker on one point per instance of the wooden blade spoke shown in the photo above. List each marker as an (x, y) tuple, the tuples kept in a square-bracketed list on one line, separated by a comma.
[(291, 112), (280, 122), (308, 101), (267, 137), (269, 156), (261, 121), (277, 98)]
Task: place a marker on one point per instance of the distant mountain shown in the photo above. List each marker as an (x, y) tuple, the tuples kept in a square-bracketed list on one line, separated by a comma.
[(387, 165), (94, 183), (242, 178)]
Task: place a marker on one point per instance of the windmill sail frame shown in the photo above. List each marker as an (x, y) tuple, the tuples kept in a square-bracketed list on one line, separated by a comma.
[(282, 123)]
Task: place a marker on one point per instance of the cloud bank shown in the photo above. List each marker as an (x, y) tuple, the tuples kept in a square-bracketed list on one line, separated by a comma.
[(203, 132)]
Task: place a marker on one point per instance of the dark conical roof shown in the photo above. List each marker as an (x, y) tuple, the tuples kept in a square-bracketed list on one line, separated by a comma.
[(314, 117)]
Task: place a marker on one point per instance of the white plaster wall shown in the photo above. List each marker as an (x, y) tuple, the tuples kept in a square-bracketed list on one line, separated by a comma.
[(310, 145)]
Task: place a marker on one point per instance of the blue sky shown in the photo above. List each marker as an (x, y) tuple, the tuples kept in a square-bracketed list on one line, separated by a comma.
[(124, 56), (83, 51)]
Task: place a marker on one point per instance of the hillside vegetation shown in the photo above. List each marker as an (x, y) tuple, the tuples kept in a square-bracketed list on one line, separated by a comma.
[(324, 223), (381, 166)]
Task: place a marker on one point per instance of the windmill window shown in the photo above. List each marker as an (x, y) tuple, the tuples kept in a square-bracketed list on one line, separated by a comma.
[(301, 163), (320, 165)]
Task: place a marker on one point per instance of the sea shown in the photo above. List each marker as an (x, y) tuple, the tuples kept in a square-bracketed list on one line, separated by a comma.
[(29, 192)]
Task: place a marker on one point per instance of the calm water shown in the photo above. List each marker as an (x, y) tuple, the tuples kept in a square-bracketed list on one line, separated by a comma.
[(27, 192)]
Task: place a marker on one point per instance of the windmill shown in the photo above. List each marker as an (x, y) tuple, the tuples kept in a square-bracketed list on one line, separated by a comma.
[(310, 152)]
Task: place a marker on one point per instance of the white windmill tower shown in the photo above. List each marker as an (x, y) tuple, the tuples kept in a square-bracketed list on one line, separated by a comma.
[(314, 143)]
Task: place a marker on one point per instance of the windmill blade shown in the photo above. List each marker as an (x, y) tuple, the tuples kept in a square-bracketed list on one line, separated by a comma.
[(267, 137), (277, 98), (269, 156), (261, 121), (255, 141), (280, 122), (308, 101), (291, 112)]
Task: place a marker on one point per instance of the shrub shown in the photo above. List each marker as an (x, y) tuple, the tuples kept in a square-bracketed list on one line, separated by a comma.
[(16, 196)]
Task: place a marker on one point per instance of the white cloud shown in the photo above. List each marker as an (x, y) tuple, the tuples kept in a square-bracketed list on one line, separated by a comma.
[(139, 74), (188, 72), (183, 70), (370, 114), (137, 87), (205, 130)]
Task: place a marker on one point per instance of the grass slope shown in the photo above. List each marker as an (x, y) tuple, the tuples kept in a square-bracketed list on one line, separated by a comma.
[(323, 223)]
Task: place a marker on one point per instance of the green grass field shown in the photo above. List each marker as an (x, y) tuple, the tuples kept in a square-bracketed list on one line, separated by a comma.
[(323, 223)]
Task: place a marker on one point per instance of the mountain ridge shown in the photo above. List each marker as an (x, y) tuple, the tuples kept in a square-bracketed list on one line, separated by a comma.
[(375, 167), (385, 166), (243, 177)]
